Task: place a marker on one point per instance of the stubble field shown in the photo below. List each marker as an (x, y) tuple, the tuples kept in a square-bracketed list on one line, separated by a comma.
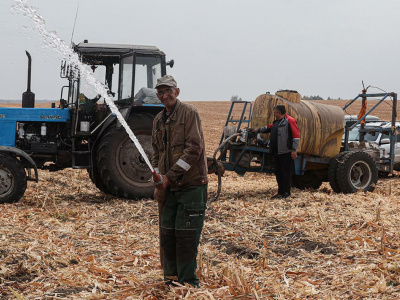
[(67, 240)]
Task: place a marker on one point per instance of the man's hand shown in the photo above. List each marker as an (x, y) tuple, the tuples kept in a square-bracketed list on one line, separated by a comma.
[(166, 181), (294, 155), (159, 195), (255, 130)]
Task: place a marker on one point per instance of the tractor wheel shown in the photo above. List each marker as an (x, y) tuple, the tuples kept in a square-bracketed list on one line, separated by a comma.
[(96, 179), (332, 172), (12, 179), (122, 169), (307, 181), (357, 172)]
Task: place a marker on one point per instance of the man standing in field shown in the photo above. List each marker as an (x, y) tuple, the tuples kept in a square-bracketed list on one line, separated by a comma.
[(284, 142), (179, 157)]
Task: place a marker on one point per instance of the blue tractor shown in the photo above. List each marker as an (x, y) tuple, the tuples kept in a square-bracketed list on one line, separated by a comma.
[(81, 132)]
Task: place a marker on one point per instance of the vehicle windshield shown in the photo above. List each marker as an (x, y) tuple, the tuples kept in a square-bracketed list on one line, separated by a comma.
[(354, 135), (371, 137), (147, 69), (125, 88), (98, 72)]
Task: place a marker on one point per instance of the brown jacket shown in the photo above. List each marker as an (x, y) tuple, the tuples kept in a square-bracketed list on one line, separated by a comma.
[(178, 145)]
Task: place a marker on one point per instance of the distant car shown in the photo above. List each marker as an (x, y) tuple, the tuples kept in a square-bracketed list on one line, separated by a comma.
[(380, 138), (354, 118), (353, 134)]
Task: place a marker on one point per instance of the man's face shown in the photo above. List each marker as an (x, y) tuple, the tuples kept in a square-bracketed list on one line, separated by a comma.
[(277, 114), (167, 96)]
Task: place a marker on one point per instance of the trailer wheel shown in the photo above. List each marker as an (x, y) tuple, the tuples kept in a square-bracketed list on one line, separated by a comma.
[(12, 179), (332, 172), (357, 172), (309, 180), (122, 168)]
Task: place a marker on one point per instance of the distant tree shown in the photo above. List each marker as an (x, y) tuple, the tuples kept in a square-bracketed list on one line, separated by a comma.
[(313, 98), (329, 98), (236, 98)]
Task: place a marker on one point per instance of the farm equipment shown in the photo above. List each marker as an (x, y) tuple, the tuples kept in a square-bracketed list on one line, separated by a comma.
[(322, 156), (82, 133)]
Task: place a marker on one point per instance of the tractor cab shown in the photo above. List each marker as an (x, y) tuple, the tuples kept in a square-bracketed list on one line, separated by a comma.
[(129, 73)]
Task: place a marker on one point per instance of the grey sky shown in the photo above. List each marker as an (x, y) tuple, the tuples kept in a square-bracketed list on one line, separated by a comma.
[(221, 48)]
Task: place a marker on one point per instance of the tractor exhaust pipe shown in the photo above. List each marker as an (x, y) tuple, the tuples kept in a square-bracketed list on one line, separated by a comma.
[(28, 98)]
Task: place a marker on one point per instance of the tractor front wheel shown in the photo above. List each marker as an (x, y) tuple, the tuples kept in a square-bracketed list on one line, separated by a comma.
[(12, 179), (122, 169)]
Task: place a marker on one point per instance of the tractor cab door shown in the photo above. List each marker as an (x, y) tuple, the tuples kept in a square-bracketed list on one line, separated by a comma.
[(138, 77)]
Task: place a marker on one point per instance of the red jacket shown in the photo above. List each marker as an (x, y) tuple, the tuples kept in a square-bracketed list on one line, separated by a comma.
[(285, 135)]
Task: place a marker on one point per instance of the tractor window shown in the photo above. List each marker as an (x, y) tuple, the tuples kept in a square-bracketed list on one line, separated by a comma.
[(74, 92), (125, 88), (147, 71), (99, 72)]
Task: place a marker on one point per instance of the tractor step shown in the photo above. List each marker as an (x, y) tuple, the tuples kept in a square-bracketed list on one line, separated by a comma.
[(81, 152), (81, 159)]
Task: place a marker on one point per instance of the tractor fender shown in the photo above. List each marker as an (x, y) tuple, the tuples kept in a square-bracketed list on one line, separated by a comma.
[(126, 112), (23, 155)]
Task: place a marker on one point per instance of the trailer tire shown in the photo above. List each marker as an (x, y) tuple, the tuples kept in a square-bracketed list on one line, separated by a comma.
[(357, 172), (12, 179), (122, 169), (309, 180), (332, 172)]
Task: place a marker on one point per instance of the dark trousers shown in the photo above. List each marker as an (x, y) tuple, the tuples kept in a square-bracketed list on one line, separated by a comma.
[(181, 224), (283, 165)]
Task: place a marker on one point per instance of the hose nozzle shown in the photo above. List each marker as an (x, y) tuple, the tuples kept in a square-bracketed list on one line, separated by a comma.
[(157, 179)]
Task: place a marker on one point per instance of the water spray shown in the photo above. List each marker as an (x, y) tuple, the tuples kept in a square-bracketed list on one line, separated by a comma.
[(52, 39)]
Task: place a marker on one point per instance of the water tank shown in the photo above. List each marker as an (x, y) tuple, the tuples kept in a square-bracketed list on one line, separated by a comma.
[(321, 126)]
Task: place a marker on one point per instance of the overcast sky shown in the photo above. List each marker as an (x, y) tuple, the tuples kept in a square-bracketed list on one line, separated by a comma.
[(220, 47)]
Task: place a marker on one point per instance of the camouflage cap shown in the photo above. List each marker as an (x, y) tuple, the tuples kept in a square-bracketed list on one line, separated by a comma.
[(167, 80)]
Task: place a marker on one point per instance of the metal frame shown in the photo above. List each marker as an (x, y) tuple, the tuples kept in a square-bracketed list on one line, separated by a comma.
[(241, 120), (392, 131), (234, 160)]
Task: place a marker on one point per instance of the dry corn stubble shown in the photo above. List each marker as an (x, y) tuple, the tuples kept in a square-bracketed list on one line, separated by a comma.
[(67, 240)]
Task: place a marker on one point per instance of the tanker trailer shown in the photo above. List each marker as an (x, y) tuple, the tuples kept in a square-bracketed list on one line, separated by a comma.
[(320, 154)]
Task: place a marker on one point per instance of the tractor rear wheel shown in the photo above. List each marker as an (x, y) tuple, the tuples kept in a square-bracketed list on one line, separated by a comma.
[(12, 179), (309, 180), (357, 172), (332, 172), (96, 179), (122, 169)]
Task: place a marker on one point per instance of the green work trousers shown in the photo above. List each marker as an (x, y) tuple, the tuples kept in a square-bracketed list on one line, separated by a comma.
[(181, 224)]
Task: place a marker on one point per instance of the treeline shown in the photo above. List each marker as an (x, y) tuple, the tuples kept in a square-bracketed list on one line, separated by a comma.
[(318, 97)]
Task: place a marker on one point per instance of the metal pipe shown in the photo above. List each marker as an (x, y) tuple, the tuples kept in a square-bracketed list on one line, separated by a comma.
[(28, 98), (29, 70), (393, 136)]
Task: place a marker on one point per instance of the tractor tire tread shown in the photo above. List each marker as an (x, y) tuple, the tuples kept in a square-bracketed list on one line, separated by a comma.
[(13, 165), (332, 171), (115, 185), (342, 177)]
